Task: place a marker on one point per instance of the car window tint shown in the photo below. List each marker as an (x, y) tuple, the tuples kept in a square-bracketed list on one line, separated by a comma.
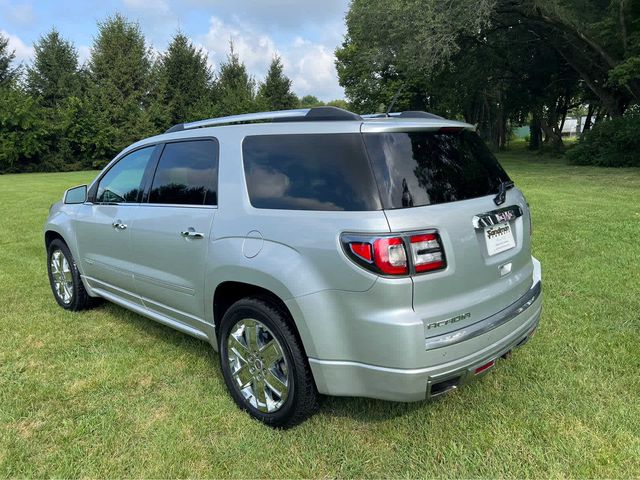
[(123, 182), (309, 172), (427, 168), (187, 174)]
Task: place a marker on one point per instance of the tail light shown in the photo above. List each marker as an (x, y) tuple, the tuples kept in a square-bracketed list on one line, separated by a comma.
[(390, 255), (396, 255)]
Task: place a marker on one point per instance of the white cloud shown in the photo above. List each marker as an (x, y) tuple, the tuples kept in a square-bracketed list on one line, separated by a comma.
[(84, 53), (255, 50), (310, 65), (23, 51)]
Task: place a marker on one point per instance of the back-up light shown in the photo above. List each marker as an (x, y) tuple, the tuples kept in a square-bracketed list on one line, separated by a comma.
[(396, 254), (426, 252)]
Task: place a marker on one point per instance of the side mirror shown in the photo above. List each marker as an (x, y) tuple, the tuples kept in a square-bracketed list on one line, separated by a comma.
[(75, 195)]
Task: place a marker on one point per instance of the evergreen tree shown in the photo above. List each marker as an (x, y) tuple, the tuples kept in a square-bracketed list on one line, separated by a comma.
[(22, 131), (235, 89), (120, 79), (54, 74), (184, 82), (21, 125), (7, 73), (275, 93)]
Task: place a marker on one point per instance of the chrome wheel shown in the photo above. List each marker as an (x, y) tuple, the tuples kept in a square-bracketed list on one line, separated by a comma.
[(258, 365), (62, 277)]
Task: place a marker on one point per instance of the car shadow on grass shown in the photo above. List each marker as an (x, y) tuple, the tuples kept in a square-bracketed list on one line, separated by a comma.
[(367, 409), (356, 408)]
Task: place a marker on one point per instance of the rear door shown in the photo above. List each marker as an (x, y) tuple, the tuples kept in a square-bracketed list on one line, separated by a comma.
[(447, 181), (103, 225), (172, 229)]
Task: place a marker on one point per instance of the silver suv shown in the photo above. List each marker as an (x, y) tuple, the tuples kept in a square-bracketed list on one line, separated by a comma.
[(320, 252)]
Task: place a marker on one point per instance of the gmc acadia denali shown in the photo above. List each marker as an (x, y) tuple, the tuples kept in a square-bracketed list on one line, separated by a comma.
[(318, 251)]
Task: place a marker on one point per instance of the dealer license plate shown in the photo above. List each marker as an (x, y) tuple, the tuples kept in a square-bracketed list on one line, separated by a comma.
[(499, 238)]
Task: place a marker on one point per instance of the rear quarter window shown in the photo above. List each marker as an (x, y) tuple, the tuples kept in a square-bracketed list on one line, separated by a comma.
[(309, 172)]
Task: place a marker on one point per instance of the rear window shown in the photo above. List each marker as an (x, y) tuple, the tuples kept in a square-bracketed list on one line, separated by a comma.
[(309, 172), (427, 168)]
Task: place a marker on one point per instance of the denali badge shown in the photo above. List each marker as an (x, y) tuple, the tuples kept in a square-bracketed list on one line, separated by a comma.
[(505, 216), (449, 321), (502, 215)]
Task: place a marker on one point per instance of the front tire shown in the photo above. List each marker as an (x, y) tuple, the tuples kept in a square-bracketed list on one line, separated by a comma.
[(264, 365), (64, 278)]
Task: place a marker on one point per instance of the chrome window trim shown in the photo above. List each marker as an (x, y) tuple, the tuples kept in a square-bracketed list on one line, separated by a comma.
[(143, 204), (179, 205), (488, 324)]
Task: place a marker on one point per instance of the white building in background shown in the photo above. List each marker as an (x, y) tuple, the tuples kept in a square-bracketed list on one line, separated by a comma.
[(574, 126)]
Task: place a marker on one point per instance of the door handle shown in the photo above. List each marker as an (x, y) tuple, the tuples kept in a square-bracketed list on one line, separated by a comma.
[(118, 225), (191, 233)]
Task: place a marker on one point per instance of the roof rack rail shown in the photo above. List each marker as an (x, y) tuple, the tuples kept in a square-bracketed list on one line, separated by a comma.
[(297, 115), (408, 114)]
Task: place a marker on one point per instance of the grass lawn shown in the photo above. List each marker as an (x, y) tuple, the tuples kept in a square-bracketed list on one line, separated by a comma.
[(107, 393)]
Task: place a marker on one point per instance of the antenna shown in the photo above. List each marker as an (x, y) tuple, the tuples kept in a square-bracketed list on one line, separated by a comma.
[(393, 100)]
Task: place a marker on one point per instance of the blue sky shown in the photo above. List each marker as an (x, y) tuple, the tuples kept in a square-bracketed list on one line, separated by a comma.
[(304, 33)]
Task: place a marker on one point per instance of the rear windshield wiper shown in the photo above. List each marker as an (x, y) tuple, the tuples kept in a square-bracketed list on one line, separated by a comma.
[(500, 198)]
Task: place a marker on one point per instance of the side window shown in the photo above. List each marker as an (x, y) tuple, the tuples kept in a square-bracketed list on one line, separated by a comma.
[(309, 172), (123, 182), (187, 174)]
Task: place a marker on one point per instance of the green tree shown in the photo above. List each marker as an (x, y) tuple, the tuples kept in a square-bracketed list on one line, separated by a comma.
[(309, 101), (184, 82), (54, 74), (391, 41), (8, 73), (340, 103), (235, 88), (22, 131), (22, 128), (120, 81), (275, 93), (518, 61)]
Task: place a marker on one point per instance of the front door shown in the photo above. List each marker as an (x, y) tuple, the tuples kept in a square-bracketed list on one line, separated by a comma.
[(171, 233), (103, 226)]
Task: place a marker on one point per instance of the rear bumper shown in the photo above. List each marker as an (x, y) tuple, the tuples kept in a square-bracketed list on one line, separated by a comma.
[(509, 330)]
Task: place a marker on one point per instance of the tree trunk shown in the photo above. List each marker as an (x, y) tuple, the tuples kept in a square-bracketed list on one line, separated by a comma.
[(535, 131), (501, 124), (552, 135), (623, 27), (588, 121)]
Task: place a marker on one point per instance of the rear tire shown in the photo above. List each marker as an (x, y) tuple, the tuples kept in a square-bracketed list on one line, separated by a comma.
[(64, 278), (264, 365)]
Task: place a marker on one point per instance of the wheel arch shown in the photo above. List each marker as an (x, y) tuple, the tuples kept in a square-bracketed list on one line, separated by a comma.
[(228, 292), (50, 236)]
